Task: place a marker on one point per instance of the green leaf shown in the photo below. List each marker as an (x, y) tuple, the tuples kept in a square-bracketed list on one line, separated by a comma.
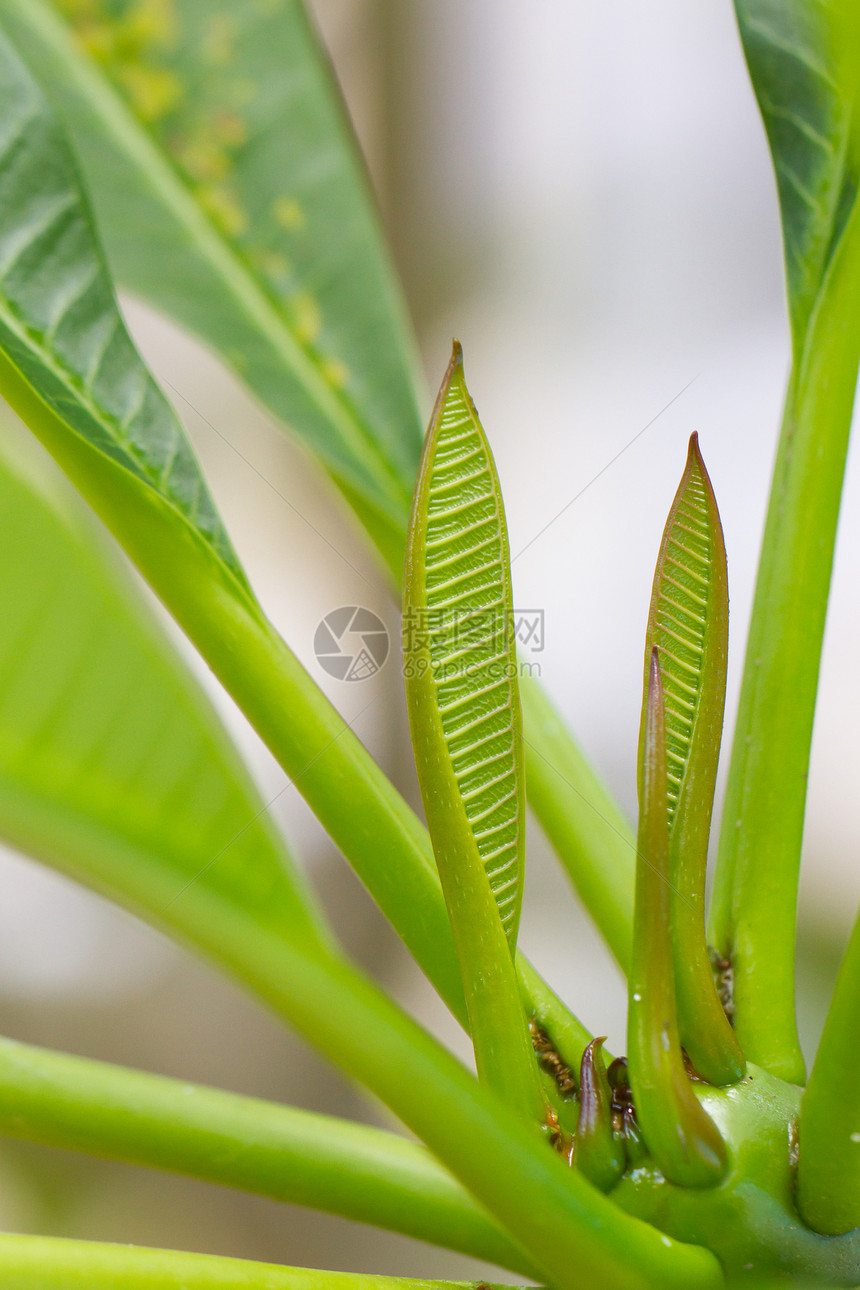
[(804, 59), (211, 602), (230, 193), (688, 625), (828, 1166), (245, 282), (678, 1132), (113, 766), (460, 665), (459, 644), (61, 331), (242, 916)]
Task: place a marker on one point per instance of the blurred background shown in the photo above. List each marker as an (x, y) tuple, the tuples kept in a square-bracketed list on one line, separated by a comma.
[(581, 193)]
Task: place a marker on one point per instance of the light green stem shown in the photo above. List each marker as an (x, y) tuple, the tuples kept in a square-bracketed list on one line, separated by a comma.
[(47, 1263), (755, 892), (828, 1167), (359, 807), (568, 1229), (582, 821), (304, 1158)]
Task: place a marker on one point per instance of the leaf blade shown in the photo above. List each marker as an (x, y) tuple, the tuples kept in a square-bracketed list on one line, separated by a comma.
[(460, 666), (231, 305), (261, 208), (680, 1134), (113, 766), (459, 583), (793, 62), (688, 625), (59, 323)]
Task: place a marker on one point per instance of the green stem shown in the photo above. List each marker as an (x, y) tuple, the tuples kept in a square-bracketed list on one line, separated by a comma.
[(587, 829), (47, 1263), (359, 807), (755, 892), (569, 1230), (582, 821), (828, 1167), (319, 1161)]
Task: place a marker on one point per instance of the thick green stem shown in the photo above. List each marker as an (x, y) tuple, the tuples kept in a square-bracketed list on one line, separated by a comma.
[(361, 810), (573, 1233), (580, 818), (319, 1161), (755, 892), (828, 1167), (46, 1263)]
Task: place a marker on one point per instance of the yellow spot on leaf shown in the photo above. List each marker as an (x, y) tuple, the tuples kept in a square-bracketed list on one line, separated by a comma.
[(97, 38), (75, 10), (289, 213), (335, 372), (307, 316), (154, 91), (272, 263), (152, 24), (229, 129), (225, 210), (202, 157), (218, 41)]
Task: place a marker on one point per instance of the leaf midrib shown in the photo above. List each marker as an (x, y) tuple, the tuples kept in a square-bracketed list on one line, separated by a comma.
[(254, 300)]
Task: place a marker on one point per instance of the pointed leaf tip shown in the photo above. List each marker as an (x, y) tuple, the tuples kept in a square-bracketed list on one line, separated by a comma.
[(464, 713), (460, 651), (597, 1153), (688, 628)]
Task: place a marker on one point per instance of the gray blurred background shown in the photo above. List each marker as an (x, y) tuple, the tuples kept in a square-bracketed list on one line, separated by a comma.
[(581, 193)]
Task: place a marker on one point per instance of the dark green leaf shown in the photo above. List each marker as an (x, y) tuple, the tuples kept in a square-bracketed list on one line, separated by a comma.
[(803, 60), (230, 194), (60, 329)]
